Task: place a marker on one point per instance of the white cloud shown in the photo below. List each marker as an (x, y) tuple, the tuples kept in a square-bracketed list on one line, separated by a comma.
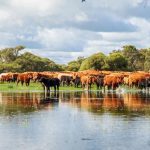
[(81, 17), (69, 39), (65, 29)]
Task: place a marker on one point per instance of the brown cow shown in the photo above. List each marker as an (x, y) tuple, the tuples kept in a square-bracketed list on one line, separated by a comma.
[(38, 75), (112, 81), (24, 77), (139, 80), (8, 77), (86, 81)]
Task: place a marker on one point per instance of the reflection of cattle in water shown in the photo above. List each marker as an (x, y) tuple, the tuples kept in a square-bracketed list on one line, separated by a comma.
[(90, 101), (113, 102), (25, 102), (136, 101), (98, 102)]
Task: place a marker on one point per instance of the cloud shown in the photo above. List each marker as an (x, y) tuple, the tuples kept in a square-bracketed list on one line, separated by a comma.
[(62, 30), (69, 39)]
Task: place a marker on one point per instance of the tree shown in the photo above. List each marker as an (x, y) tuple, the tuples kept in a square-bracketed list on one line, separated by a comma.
[(96, 61), (9, 67), (132, 55), (141, 59), (75, 65), (147, 61), (116, 61), (8, 55), (31, 62)]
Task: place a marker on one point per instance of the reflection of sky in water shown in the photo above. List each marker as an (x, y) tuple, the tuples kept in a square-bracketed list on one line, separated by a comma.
[(72, 124)]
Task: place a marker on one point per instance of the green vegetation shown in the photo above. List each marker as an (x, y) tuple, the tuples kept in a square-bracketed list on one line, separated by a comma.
[(96, 61), (116, 61), (9, 87), (32, 87), (12, 60), (129, 58)]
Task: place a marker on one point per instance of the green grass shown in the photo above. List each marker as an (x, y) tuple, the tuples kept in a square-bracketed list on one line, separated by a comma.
[(38, 87), (14, 87), (32, 87)]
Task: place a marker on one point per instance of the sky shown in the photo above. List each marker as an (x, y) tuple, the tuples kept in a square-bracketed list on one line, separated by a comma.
[(63, 30)]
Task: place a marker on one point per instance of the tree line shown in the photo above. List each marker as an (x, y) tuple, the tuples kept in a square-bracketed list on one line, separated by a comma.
[(129, 58), (14, 60)]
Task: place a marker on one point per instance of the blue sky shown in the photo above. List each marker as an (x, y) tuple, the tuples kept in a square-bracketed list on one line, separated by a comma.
[(62, 30)]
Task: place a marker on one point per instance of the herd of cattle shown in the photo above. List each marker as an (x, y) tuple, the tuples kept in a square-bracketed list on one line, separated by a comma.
[(85, 79)]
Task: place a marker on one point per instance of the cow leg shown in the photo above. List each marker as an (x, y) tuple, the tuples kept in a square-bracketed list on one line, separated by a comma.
[(89, 86), (83, 86), (55, 88), (28, 83), (44, 88), (104, 88), (45, 91), (22, 83), (97, 86), (63, 83), (112, 86), (48, 91), (17, 82)]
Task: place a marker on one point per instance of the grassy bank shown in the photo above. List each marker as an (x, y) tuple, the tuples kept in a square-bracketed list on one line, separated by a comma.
[(38, 87), (32, 87)]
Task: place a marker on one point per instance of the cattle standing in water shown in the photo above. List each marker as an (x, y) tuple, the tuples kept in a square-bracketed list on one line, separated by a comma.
[(113, 81), (87, 81), (50, 82)]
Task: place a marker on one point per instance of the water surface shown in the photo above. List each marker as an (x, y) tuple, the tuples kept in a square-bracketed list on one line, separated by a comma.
[(74, 120)]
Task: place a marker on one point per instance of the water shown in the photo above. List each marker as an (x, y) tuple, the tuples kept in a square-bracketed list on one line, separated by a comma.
[(74, 120)]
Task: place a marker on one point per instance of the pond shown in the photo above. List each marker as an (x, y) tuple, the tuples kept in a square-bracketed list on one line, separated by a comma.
[(74, 121)]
